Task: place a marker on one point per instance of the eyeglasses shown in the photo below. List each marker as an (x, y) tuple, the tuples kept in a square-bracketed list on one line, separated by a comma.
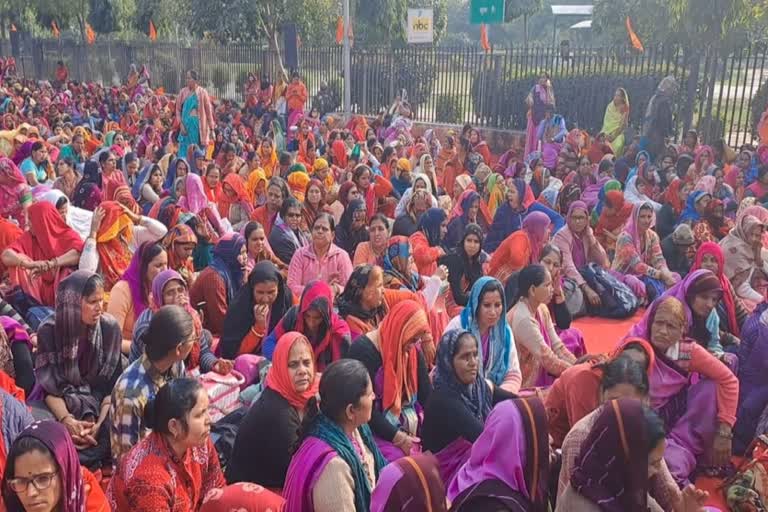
[(41, 482), (293, 215)]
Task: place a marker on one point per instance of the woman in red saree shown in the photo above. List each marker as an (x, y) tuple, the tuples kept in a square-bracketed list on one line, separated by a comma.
[(44, 255)]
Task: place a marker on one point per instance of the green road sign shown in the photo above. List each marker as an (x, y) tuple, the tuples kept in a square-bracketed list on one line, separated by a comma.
[(486, 11)]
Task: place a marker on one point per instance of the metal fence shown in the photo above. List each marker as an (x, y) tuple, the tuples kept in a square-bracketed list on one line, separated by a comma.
[(720, 95)]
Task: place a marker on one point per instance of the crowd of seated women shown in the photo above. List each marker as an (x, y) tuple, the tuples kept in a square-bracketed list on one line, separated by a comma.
[(370, 316)]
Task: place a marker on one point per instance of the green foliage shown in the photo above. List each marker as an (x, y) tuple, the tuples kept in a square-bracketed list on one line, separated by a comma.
[(514, 9), (383, 21), (448, 109), (107, 16)]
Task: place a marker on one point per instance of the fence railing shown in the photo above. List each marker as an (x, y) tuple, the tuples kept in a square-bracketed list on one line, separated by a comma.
[(723, 96)]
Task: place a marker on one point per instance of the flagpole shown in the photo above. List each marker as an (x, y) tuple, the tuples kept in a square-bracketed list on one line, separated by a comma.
[(347, 65)]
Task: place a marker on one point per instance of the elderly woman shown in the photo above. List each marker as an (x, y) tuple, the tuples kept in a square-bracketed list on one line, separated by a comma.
[(407, 223), (705, 422), (78, 363), (743, 250), (638, 253)]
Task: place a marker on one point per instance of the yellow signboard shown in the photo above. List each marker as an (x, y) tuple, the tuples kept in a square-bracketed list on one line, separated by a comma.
[(420, 25)]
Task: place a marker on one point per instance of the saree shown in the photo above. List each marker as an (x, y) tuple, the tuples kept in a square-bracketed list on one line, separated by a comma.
[(191, 121), (614, 123)]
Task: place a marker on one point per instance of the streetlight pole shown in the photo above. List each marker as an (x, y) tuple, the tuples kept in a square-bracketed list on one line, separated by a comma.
[(347, 64)]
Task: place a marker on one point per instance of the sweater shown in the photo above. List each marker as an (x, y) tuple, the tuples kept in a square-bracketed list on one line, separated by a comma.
[(271, 429), (306, 267)]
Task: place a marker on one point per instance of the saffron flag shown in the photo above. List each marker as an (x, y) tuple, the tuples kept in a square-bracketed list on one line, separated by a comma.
[(340, 30), (636, 43), (152, 31), (55, 29), (484, 38), (90, 35)]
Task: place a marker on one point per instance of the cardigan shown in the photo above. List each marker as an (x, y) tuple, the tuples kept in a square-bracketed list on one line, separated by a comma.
[(306, 267)]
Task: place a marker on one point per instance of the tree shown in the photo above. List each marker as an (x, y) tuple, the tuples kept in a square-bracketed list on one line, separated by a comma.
[(514, 9), (384, 20)]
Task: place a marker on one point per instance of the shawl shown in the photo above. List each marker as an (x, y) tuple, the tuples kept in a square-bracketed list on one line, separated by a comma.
[(346, 238), (740, 256), (242, 197), (243, 497), (308, 212), (397, 265), (112, 238), (55, 437), (239, 319), (334, 332), (609, 186), (690, 214), (518, 429), (279, 378), (463, 204), (72, 356), (431, 225), (631, 232), (614, 116), (225, 262), (405, 322), (179, 234), (697, 281), (622, 211), (495, 364), (410, 484), (268, 161), (48, 236), (671, 196), (611, 470), (194, 199), (312, 456), (477, 396)]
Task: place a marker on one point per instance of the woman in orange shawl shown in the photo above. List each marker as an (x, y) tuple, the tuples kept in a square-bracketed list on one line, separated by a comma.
[(401, 375), (521, 248), (256, 186), (44, 255), (180, 243), (613, 217), (212, 183), (268, 156), (112, 238)]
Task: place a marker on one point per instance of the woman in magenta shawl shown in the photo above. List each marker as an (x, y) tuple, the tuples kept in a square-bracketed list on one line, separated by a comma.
[(694, 393), (541, 96), (516, 481), (336, 444)]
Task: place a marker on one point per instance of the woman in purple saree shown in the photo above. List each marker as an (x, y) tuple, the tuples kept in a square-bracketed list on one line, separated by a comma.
[(515, 481), (542, 95), (337, 444), (693, 392), (455, 414)]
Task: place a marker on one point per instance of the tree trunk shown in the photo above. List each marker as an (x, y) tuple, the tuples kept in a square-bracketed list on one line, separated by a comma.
[(525, 28)]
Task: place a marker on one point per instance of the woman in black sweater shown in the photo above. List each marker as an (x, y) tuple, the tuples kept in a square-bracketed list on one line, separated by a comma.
[(399, 374), (271, 427), (465, 266), (461, 401)]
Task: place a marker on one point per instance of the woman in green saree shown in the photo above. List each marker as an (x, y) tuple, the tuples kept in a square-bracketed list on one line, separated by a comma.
[(616, 120)]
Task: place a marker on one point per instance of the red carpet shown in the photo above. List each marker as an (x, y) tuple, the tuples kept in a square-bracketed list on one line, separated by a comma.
[(601, 335)]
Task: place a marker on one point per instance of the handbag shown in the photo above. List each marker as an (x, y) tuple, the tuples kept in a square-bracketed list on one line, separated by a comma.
[(747, 490), (223, 392), (616, 299), (574, 298)]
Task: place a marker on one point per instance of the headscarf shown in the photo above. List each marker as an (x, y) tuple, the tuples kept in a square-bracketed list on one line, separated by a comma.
[(611, 469), (706, 184), (334, 335), (297, 182), (346, 238), (496, 364), (622, 211), (194, 200), (430, 223), (339, 153), (396, 264), (139, 292), (729, 302), (122, 195), (410, 484), (308, 212), (404, 322), (112, 238), (55, 437), (740, 255), (225, 263), (87, 196), (170, 176), (632, 229), (64, 340), (696, 282), (690, 214), (536, 225), (256, 177), (178, 234), (463, 204), (518, 430), (603, 195), (236, 182), (279, 379), (240, 317), (477, 396), (243, 497), (671, 196)]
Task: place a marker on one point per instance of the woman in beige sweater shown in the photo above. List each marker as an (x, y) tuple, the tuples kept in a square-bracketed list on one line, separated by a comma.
[(338, 463)]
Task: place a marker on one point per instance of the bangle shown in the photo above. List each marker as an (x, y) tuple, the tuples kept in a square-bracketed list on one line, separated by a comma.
[(64, 418), (724, 434)]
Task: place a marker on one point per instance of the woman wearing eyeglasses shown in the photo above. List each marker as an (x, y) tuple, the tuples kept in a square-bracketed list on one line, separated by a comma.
[(286, 236), (43, 474)]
